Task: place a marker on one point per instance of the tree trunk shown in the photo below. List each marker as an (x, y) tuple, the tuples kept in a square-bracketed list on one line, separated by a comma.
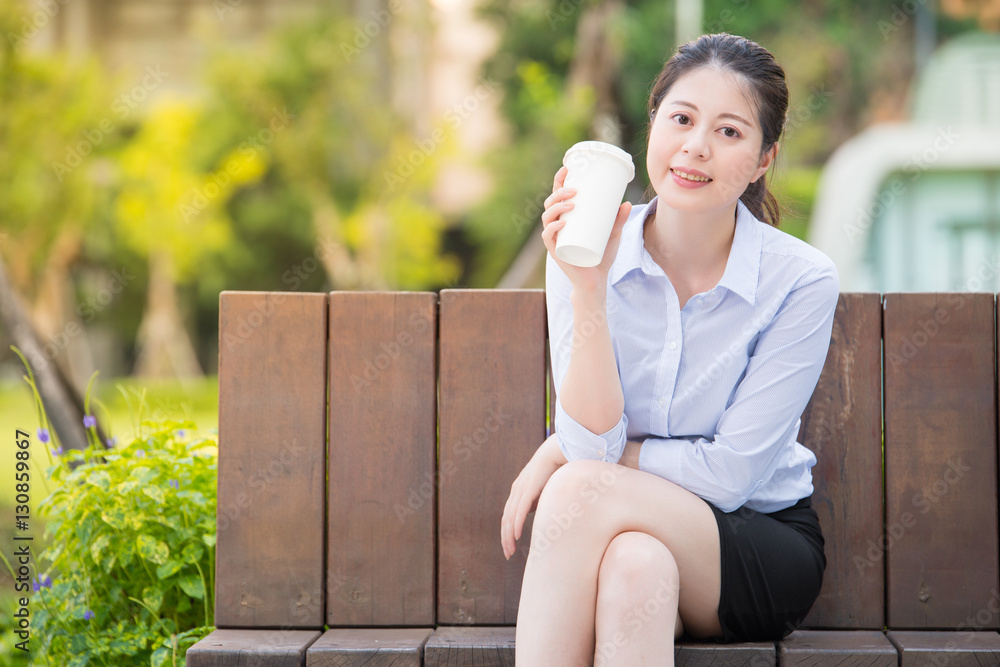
[(597, 61), (55, 315), (63, 404), (165, 348)]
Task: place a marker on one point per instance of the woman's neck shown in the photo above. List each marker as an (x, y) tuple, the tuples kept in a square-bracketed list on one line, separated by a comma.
[(690, 246)]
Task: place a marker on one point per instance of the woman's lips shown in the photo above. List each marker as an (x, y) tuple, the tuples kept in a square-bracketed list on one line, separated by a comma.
[(687, 183)]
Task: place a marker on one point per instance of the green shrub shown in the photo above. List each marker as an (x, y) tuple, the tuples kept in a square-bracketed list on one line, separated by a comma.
[(133, 544), (128, 576)]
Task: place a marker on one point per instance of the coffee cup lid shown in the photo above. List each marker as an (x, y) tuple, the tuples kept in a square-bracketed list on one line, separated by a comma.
[(605, 148)]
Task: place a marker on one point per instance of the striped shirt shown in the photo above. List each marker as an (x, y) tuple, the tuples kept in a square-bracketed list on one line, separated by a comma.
[(716, 390)]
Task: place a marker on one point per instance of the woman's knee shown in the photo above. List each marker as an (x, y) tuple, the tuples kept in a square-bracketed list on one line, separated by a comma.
[(639, 571), (577, 485)]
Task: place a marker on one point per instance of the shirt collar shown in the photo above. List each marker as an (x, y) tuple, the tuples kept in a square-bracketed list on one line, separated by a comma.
[(742, 266)]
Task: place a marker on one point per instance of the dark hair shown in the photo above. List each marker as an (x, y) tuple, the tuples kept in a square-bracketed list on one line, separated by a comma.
[(765, 83)]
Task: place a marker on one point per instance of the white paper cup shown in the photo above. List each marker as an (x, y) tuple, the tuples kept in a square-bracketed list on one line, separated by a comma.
[(599, 172)]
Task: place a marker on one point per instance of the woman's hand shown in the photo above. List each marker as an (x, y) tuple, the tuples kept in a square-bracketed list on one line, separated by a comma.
[(559, 202), (526, 489)]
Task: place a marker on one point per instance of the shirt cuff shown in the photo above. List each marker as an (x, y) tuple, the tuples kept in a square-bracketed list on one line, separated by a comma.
[(578, 442)]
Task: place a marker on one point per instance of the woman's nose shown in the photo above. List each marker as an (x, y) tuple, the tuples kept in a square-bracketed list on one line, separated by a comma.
[(696, 144)]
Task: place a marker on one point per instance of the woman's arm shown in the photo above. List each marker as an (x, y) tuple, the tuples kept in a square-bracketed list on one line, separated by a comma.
[(591, 391)]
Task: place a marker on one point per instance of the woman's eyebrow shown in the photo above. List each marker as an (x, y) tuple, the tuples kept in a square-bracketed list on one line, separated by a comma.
[(721, 115)]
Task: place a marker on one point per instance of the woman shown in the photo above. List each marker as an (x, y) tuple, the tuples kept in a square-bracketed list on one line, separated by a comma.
[(673, 497)]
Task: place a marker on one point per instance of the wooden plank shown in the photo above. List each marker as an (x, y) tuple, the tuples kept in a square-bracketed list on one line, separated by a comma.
[(825, 648), (492, 419), (842, 425), (470, 647), (940, 459), (708, 654), (272, 444), (955, 649), (383, 436), (252, 648), (370, 647)]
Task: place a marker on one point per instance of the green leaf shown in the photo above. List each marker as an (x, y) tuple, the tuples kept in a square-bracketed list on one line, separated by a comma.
[(192, 553), (152, 549), (99, 545), (193, 586), (153, 597), (115, 517), (209, 540), (161, 657), (100, 479), (168, 568), (154, 492)]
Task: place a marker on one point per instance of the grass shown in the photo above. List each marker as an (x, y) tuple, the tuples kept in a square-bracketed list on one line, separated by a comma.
[(116, 406)]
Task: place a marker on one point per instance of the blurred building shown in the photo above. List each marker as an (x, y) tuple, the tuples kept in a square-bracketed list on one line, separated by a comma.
[(915, 206)]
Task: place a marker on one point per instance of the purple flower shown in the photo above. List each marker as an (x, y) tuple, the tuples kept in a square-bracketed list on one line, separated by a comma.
[(58, 450), (43, 434), (48, 581), (89, 421), (36, 585), (139, 453), (87, 615), (174, 483), (111, 442), (39, 583), (180, 433)]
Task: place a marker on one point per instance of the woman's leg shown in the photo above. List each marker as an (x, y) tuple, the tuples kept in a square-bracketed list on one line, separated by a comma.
[(582, 508), (637, 589)]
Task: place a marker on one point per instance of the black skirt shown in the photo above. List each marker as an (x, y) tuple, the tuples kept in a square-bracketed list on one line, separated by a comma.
[(772, 570)]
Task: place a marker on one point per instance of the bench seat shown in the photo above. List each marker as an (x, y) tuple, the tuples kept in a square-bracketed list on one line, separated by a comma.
[(368, 440)]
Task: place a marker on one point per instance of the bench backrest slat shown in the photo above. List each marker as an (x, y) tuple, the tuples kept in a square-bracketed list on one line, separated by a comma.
[(383, 428), (842, 425), (492, 419), (940, 459), (272, 435), (412, 534)]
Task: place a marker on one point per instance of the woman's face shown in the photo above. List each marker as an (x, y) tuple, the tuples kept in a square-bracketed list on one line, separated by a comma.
[(705, 141)]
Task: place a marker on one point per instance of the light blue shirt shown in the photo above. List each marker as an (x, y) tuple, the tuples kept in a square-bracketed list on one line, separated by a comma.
[(715, 390)]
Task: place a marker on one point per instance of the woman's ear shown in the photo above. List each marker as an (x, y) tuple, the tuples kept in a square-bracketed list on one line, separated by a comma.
[(765, 161)]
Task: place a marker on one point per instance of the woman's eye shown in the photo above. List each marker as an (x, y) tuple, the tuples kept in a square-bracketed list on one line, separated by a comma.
[(682, 118), (730, 132)]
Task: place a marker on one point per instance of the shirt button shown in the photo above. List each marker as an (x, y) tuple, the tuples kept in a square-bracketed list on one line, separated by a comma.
[(600, 452), (673, 345), (663, 402)]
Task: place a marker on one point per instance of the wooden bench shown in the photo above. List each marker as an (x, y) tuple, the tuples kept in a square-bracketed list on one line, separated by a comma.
[(347, 536)]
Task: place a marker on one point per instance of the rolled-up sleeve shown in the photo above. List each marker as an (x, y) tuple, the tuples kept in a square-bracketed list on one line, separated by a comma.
[(764, 416), (575, 440)]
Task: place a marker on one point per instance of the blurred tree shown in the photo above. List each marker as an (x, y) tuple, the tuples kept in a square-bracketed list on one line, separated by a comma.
[(48, 195), (582, 69), (340, 156), (171, 210)]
